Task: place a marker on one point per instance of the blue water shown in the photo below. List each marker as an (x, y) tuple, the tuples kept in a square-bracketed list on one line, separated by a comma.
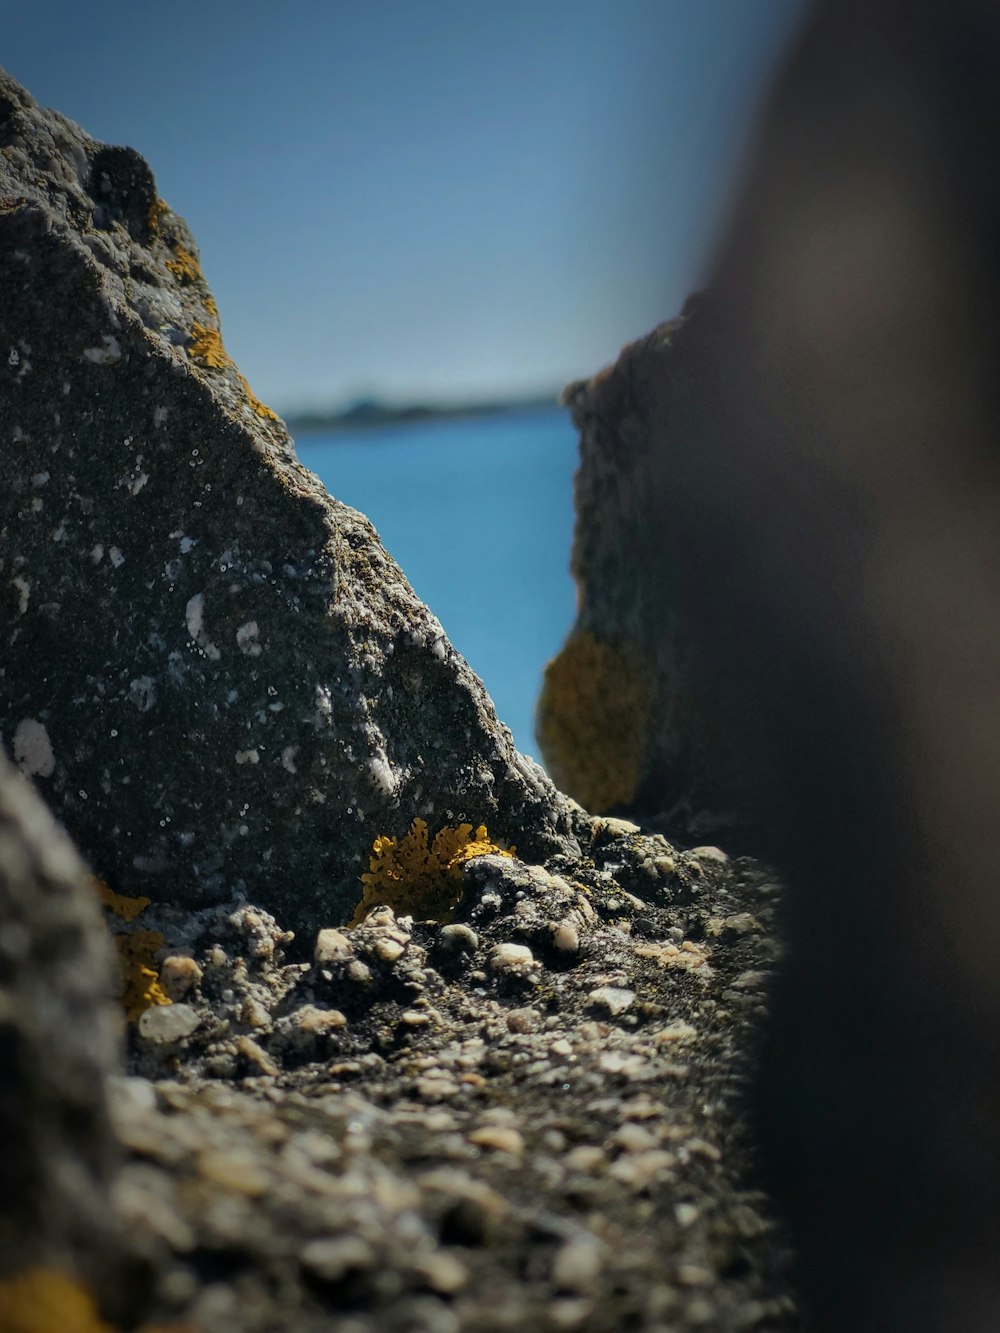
[(479, 514)]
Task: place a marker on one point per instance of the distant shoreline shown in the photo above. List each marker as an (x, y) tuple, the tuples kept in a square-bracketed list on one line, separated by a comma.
[(371, 415)]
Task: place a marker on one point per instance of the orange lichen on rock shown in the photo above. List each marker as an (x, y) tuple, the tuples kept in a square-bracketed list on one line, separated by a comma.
[(206, 347), (593, 719), (184, 265), (156, 211), (411, 874), (140, 977), (43, 1300)]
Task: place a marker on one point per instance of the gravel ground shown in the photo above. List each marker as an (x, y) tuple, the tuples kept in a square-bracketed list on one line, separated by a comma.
[(529, 1117)]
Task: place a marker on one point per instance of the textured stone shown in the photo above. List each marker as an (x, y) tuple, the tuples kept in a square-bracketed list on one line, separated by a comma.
[(223, 682), (57, 1047)]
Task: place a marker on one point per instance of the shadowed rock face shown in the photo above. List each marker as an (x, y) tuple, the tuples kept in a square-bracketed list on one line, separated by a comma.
[(57, 1045), (215, 673), (820, 525)]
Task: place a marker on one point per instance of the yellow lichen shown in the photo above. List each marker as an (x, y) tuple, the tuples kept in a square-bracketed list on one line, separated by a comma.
[(140, 977), (206, 347), (156, 211), (43, 1300), (126, 909), (184, 266), (413, 875), (593, 720)]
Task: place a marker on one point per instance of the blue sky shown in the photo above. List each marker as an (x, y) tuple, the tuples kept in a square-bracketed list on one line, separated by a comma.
[(423, 197)]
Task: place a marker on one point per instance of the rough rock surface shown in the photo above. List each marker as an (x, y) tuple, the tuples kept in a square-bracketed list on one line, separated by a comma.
[(217, 676), (57, 1047)]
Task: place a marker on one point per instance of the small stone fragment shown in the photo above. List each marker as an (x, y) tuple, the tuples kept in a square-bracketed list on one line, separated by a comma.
[(315, 1022), (164, 1024), (577, 1265), (501, 1138), (330, 1258), (511, 958), (234, 1169), (614, 1000), (332, 946), (566, 937), (458, 938), (178, 974), (523, 1020)]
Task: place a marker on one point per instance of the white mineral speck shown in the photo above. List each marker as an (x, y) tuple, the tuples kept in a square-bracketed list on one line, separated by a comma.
[(39, 478), (33, 749), (102, 356), (247, 639), (116, 557), (160, 415), (187, 543), (97, 554), (194, 616), (247, 757), (288, 757), (137, 483), (24, 592), (382, 776)]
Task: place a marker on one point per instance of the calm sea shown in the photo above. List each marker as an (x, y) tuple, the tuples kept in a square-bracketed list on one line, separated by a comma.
[(479, 514)]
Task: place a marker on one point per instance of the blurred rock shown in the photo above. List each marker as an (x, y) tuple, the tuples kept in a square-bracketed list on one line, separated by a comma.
[(57, 1047), (787, 550)]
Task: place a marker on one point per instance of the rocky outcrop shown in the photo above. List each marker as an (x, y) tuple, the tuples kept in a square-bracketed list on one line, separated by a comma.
[(217, 676)]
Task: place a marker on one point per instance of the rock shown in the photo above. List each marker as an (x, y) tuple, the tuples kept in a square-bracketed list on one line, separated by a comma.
[(458, 938), (332, 946), (58, 1026), (613, 1000), (240, 690), (516, 958), (164, 1025)]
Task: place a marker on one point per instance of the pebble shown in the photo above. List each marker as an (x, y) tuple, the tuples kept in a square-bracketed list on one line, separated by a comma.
[(164, 1024), (578, 1263), (314, 1022), (458, 938), (523, 1020), (511, 958), (612, 999), (235, 1169), (331, 1257), (712, 855), (414, 1018), (388, 950), (587, 1157), (249, 1049), (332, 946), (178, 974), (442, 1271), (566, 937), (499, 1138)]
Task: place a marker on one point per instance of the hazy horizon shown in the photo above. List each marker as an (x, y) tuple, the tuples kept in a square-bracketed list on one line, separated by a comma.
[(451, 201)]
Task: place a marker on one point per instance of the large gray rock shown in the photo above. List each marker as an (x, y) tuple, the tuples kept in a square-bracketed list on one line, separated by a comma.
[(57, 1045), (217, 676)]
